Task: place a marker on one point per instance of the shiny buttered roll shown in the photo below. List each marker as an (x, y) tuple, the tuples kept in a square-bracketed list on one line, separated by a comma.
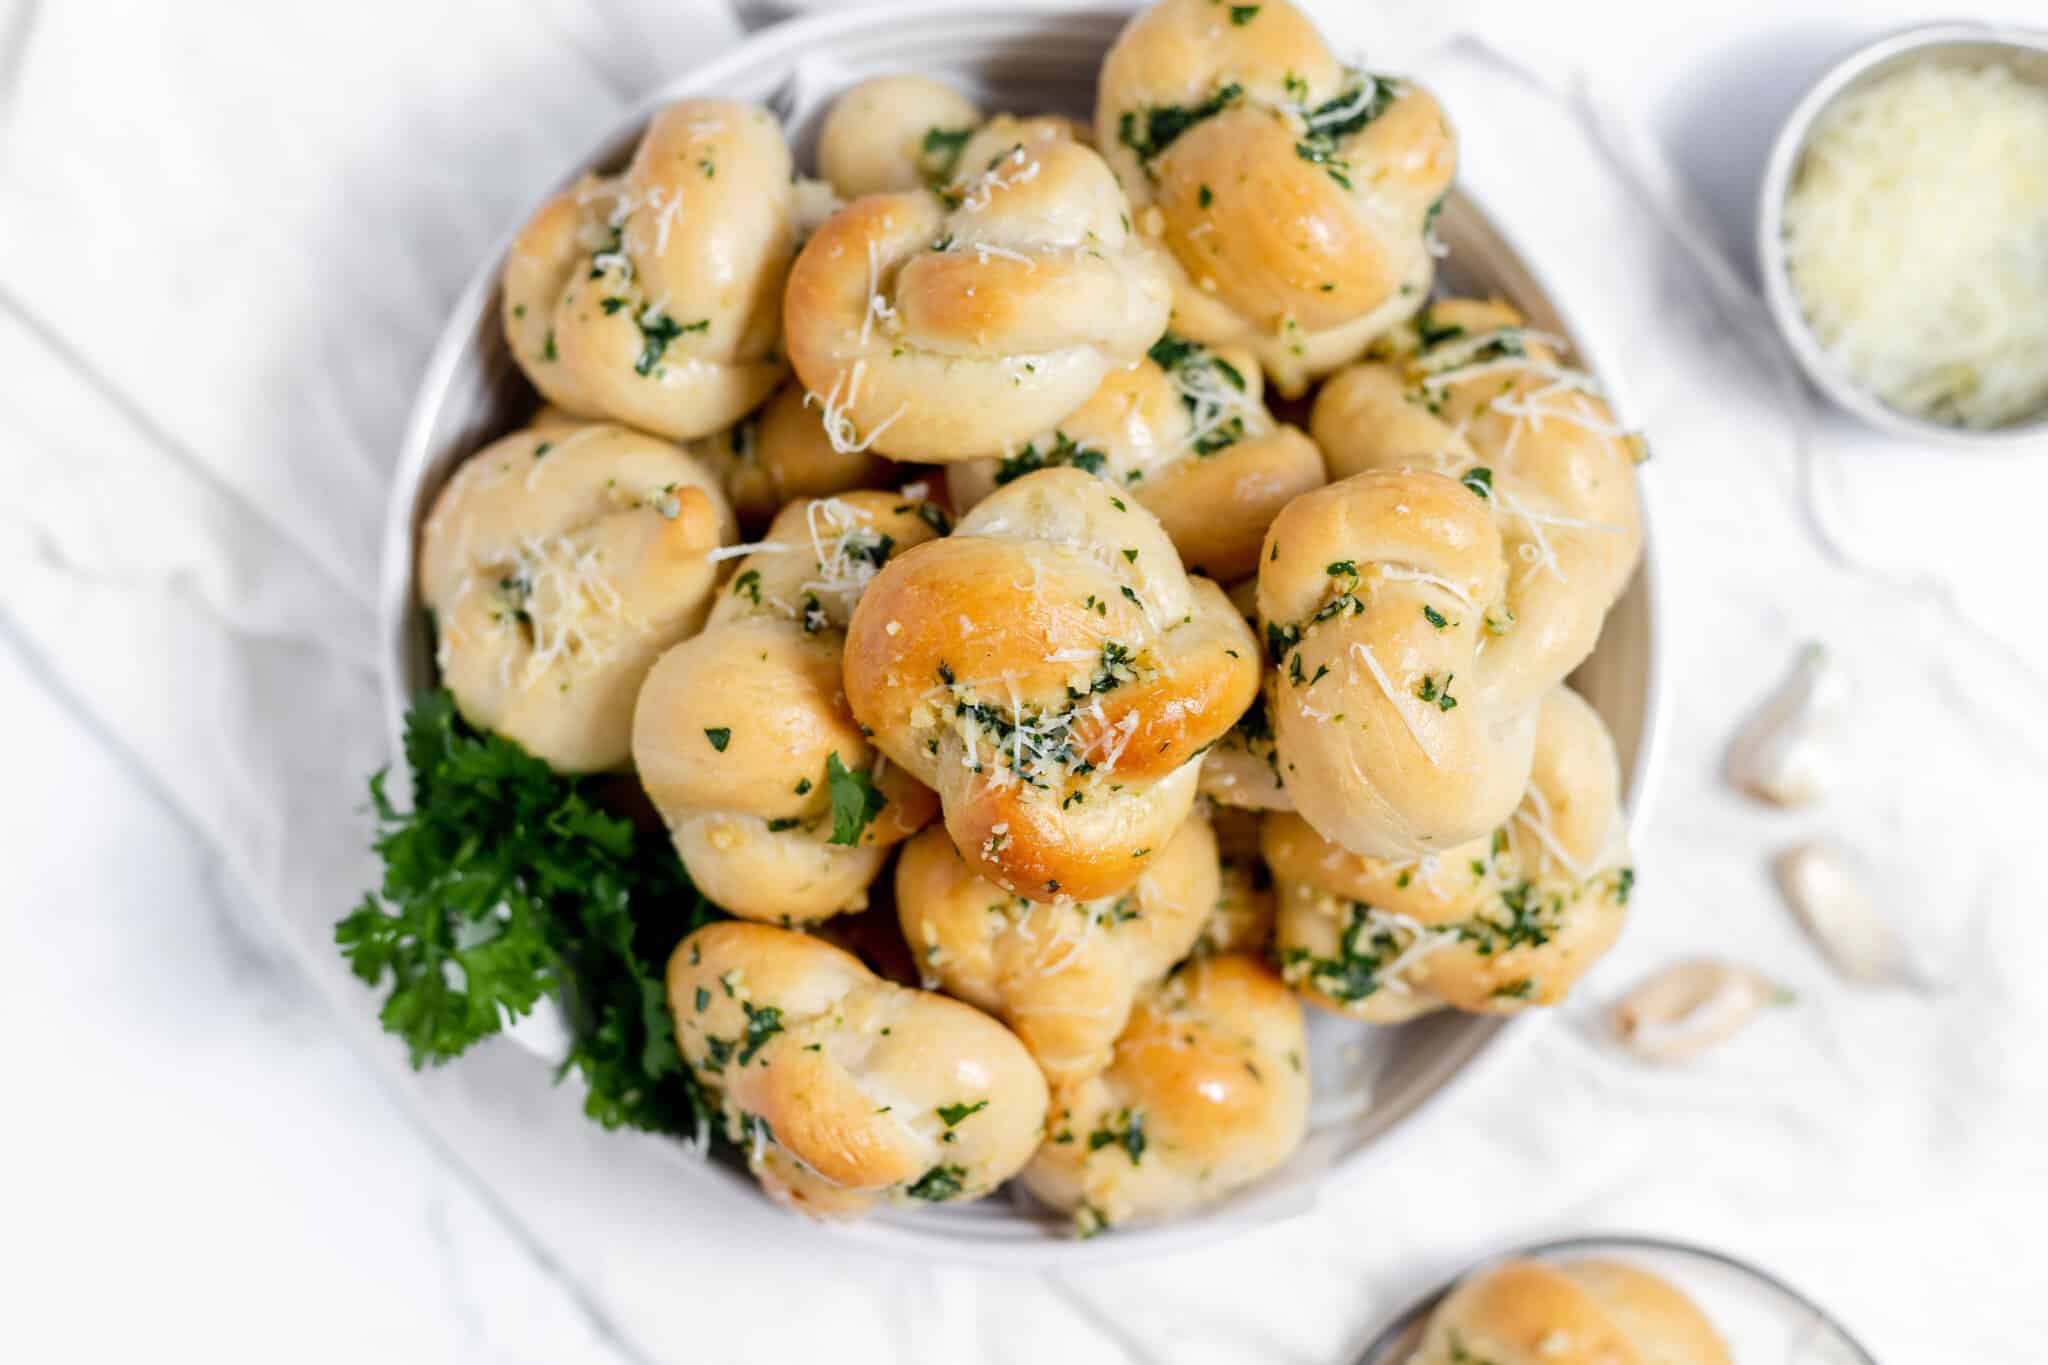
[(1569, 1313), (653, 297), (1186, 432), (1208, 1092), (1471, 394), (941, 325), (897, 133), (1507, 921), (844, 1090), (1063, 975), (1294, 194), (1394, 733), (894, 133), (1055, 675), (779, 807), (558, 563), (782, 452)]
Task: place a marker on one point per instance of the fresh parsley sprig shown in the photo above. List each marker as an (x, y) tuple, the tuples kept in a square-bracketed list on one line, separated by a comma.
[(507, 882)]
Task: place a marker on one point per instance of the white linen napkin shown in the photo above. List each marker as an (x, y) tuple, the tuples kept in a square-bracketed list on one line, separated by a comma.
[(217, 287)]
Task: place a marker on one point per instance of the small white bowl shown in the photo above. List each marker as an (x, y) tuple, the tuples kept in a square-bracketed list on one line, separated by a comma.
[(1373, 1086), (2025, 51)]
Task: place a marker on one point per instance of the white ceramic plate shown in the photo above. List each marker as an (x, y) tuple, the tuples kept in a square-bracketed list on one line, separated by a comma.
[(1371, 1085), (1760, 1316)]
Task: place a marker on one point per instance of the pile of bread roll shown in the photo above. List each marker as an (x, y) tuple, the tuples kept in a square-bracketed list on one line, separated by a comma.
[(1181, 713)]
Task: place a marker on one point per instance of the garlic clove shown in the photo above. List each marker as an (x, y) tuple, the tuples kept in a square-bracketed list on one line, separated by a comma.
[(1686, 1008), (1781, 754), (1820, 882)]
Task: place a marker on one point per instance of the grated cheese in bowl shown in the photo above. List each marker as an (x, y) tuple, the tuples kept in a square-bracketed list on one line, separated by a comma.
[(1916, 239)]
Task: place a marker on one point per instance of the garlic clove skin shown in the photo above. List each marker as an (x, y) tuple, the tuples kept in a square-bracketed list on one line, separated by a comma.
[(1821, 882), (1686, 1008), (1782, 753)]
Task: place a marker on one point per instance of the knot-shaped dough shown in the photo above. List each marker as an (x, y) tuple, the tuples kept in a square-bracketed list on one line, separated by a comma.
[(1569, 1313), (779, 807), (1186, 432), (652, 297), (898, 133), (1052, 671), (1496, 925), (1062, 976), (780, 453), (1208, 1091), (1295, 194), (1393, 735), (1471, 393), (558, 563), (943, 325), (843, 1089)]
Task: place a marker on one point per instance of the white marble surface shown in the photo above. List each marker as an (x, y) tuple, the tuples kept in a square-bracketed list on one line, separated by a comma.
[(210, 1149)]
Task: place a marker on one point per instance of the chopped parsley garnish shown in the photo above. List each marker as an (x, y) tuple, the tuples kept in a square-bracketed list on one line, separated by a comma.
[(1130, 1136), (1363, 949), (1429, 690), (856, 801), (951, 1114), (763, 1023), (1435, 617), (1479, 479), (1150, 131), (720, 736), (1624, 884), (939, 1183), (657, 330), (1064, 451), (1241, 15), (749, 583), (507, 882), (941, 149)]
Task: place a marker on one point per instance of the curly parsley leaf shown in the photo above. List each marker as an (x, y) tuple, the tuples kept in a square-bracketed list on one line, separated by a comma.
[(507, 882), (855, 801)]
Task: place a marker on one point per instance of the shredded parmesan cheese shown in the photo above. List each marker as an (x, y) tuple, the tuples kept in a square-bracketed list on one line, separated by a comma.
[(1916, 236)]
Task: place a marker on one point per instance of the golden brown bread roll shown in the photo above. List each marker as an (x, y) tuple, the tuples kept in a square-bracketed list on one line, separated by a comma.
[(779, 807), (1053, 673), (653, 297), (943, 325), (1499, 924), (1569, 1313), (894, 133), (845, 1090), (1063, 976), (1208, 1091), (558, 563), (1484, 520), (1293, 193), (781, 452), (1469, 388), (1186, 432)]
